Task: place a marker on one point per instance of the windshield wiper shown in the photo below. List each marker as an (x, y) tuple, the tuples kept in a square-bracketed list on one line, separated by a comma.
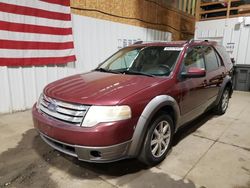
[(107, 70), (137, 73)]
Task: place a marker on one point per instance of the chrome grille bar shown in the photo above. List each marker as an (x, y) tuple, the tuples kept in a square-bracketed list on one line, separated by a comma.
[(60, 116), (67, 105), (70, 113), (65, 111)]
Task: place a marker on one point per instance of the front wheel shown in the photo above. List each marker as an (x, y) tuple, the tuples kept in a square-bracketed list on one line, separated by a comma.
[(158, 140)]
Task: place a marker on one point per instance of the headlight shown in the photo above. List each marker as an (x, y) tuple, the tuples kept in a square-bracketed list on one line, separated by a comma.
[(98, 114), (38, 103)]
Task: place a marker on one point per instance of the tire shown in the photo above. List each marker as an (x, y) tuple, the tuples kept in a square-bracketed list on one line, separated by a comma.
[(158, 140), (221, 108)]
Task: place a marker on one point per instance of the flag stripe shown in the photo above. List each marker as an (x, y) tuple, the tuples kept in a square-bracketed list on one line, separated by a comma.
[(12, 44), (4, 7), (10, 35), (36, 61), (28, 28), (16, 18), (39, 4), (59, 2), (16, 53), (35, 32)]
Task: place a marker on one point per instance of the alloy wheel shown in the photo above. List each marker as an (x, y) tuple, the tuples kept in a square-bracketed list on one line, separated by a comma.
[(160, 139)]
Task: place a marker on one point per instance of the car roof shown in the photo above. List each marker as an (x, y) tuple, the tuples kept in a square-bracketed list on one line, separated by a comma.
[(174, 43)]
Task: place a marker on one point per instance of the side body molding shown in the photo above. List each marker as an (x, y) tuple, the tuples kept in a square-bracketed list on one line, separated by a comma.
[(144, 121)]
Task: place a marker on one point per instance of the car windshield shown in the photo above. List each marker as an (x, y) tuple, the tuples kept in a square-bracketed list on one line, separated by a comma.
[(148, 61)]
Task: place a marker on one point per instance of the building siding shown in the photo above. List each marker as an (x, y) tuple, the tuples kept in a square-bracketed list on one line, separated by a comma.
[(232, 34), (94, 41)]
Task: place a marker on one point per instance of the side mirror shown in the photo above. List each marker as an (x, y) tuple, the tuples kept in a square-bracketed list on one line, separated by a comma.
[(194, 72)]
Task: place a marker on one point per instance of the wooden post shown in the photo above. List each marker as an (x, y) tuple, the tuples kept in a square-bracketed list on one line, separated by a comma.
[(193, 7), (228, 8), (189, 6), (185, 6), (180, 5), (198, 7)]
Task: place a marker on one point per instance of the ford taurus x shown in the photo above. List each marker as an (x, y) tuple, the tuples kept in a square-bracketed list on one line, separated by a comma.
[(133, 103)]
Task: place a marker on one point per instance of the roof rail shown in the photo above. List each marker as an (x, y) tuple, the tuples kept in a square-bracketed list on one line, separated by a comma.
[(138, 42), (190, 41)]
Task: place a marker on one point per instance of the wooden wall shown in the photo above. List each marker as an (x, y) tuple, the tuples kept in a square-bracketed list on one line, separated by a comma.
[(154, 14)]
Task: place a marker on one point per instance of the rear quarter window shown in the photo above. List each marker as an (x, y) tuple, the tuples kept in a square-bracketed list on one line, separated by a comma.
[(220, 61), (210, 59), (225, 56)]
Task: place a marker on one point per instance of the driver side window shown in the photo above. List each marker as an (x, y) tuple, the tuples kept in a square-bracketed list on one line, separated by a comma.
[(194, 58)]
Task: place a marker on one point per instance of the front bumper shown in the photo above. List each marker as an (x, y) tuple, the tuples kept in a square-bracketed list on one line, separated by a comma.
[(90, 154), (106, 142)]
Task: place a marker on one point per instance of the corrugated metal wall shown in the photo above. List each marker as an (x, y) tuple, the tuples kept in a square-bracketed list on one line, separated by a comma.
[(94, 40), (233, 33)]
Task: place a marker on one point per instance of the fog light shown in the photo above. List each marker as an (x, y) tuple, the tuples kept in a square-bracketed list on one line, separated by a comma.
[(96, 154)]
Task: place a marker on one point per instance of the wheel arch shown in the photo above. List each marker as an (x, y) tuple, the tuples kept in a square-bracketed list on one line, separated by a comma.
[(163, 103), (170, 111), (226, 83)]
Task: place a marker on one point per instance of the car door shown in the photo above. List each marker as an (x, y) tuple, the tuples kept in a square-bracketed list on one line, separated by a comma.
[(192, 90), (214, 73)]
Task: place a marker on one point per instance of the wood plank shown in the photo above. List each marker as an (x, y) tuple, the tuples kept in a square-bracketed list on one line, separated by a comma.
[(214, 10), (218, 10), (216, 3), (223, 17), (213, 18), (234, 8), (244, 9), (210, 3), (239, 15)]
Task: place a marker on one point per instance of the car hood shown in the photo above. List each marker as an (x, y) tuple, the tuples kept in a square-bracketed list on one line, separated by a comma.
[(98, 88)]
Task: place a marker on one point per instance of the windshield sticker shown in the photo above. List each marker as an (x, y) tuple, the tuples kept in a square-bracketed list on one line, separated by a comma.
[(168, 48)]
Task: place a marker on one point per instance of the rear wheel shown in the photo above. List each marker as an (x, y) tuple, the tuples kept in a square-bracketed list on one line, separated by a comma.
[(224, 101), (158, 140)]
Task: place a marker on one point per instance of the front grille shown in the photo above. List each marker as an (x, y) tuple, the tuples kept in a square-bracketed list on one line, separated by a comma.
[(67, 112)]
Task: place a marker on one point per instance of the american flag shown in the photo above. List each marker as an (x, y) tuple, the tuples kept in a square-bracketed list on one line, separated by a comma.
[(35, 32)]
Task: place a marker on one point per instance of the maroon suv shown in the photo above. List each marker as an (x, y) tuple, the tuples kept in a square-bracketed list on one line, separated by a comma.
[(135, 101)]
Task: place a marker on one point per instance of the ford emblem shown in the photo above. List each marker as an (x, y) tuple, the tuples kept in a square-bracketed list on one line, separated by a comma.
[(52, 107)]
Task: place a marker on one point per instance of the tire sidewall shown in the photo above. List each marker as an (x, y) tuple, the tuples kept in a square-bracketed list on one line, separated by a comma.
[(220, 109)]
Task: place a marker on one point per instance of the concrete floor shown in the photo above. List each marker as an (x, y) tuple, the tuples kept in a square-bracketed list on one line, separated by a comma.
[(210, 152)]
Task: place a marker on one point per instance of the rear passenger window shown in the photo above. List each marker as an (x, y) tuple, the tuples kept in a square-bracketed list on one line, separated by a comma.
[(210, 59)]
